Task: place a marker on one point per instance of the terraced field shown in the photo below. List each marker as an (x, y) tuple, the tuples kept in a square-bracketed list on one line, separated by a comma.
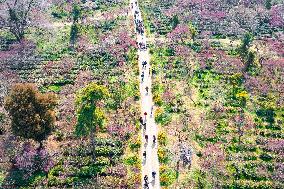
[(73, 94)]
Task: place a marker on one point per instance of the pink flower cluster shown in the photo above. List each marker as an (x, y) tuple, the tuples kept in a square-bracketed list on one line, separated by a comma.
[(32, 160)]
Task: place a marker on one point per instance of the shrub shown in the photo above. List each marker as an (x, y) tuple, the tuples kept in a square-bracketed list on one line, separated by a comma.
[(167, 176), (59, 135), (135, 145), (132, 160), (2, 177), (37, 179), (162, 138), (103, 150), (2, 121), (102, 161), (162, 117), (54, 181), (157, 91), (196, 46), (89, 171), (216, 44), (58, 12), (266, 157), (55, 171), (54, 88), (163, 155), (157, 98), (200, 178)]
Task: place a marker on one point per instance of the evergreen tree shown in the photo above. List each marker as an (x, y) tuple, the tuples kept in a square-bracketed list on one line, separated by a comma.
[(90, 115)]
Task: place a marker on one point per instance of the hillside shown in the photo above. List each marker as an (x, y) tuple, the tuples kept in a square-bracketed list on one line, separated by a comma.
[(74, 87)]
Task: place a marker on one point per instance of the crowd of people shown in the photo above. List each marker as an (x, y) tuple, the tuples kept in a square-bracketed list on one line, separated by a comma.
[(143, 122)]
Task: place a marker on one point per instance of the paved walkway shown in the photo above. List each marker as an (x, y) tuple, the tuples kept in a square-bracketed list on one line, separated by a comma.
[(151, 162)]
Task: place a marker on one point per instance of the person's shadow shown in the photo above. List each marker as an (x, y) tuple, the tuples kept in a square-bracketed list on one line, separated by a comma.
[(144, 161), (145, 145), (153, 182)]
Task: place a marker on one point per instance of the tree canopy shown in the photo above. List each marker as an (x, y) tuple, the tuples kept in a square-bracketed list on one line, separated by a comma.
[(32, 112), (90, 114)]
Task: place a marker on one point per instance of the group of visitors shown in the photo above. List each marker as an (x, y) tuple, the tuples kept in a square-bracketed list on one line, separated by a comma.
[(138, 23), (142, 47), (139, 27), (146, 181)]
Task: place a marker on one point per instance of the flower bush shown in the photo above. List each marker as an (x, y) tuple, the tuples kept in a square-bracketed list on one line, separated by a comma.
[(31, 160)]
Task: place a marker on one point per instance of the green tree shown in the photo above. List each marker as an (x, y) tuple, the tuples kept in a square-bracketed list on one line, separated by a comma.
[(32, 112), (245, 45), (246, 55), (250, 60), (76, 16), (90, 114), (268, 4), (174, 21)]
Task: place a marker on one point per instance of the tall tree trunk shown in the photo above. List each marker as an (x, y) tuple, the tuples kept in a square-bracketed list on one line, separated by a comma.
[(177, 171), (40, 146), (93, 135), (240, 134)]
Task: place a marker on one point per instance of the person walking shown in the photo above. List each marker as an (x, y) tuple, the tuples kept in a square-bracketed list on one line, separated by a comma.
[(144, 155), (142, 76), (141, 120), (146, 178), (145, 114), (153, 175), (152, 107), (146, 182), (146, 138), (147, 90), (144, 63), (154, 139)]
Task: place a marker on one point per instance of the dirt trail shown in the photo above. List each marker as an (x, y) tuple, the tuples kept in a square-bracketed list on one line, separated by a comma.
[(151, 162)]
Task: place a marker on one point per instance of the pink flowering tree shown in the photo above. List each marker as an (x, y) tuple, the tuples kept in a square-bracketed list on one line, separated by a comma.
[(180, 34), (277, 16), (213, 162), (269, 80), (119, 45), (29, 162), (17, 15)]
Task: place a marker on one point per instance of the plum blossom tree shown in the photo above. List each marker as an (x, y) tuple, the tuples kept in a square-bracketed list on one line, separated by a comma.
[(30, 161), (16, 16), (213, 162), (268, 80), (118, 45), (179, 34), (277, 16)]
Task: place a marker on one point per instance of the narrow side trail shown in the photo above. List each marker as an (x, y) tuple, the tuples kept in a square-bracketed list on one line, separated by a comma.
[(150, 163)]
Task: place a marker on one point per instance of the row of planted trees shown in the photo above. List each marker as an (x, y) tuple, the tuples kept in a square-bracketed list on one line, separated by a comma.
[(33, 118)]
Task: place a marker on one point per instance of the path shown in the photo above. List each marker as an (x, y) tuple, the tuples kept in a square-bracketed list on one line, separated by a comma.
[(151, 162)]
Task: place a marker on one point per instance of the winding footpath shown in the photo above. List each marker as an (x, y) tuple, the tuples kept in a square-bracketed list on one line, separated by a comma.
[(150, 163)]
